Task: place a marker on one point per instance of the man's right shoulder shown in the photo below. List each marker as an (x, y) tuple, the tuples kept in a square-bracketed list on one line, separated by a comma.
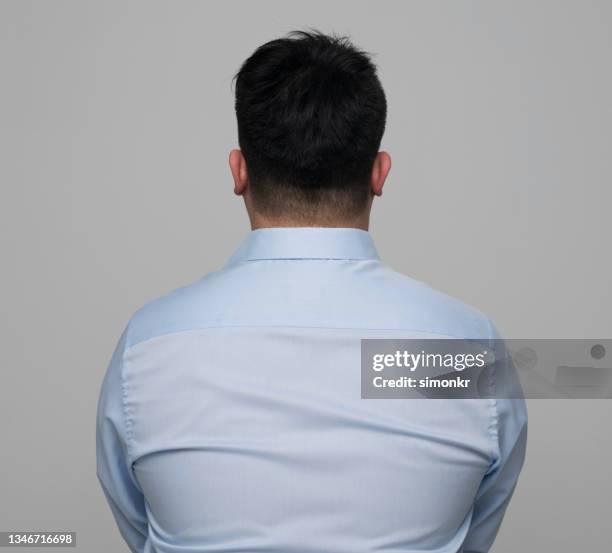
[(418, 306)]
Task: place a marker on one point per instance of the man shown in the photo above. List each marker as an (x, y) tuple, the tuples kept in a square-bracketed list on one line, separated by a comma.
[(230, 418)]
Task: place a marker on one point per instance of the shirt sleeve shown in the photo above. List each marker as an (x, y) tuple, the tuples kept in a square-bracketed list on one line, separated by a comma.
[(509, 430), (114, 470)]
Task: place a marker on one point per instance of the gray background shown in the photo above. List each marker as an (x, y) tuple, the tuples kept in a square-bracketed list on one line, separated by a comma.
[(116, 120)]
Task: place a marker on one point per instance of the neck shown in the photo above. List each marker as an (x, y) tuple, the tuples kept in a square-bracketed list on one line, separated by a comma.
[(320, 218), (289, 223), (259, 221)]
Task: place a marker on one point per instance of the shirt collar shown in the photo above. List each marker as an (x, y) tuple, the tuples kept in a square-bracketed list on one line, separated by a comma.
[(305, 243)]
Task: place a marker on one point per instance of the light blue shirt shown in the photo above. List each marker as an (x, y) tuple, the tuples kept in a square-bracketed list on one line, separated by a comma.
[(230, 416)]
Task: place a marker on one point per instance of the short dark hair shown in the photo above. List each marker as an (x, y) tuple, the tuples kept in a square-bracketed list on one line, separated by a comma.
[(311, 114)]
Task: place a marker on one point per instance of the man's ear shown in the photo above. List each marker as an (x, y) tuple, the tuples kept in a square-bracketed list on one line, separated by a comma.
[(239, 171), (380, 170)]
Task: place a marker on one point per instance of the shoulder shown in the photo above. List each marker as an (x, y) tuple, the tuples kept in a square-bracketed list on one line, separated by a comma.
[(377, 297), (422, 307), (193, 305)]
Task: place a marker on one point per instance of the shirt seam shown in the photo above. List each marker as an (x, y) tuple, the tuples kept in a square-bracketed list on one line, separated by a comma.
[(283, 326), (493, 428), (128, 421), (300, 258), (312, 257)]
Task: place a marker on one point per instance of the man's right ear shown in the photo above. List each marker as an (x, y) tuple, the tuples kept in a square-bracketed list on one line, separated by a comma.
[(239, 171), (380, 170)]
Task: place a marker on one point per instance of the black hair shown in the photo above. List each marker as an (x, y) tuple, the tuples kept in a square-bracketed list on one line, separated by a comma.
[(311, 113)]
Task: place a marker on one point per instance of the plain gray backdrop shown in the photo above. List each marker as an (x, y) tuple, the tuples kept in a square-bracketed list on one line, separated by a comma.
[(116, 119)]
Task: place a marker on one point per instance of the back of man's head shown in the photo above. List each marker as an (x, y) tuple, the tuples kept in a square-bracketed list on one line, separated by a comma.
[(311, 114)]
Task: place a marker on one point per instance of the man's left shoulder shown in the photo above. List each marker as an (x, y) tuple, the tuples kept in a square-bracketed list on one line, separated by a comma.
[(184, 308)]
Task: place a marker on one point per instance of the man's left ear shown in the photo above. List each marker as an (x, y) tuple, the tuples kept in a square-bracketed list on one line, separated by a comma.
[(380, 170), (239, 171)]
